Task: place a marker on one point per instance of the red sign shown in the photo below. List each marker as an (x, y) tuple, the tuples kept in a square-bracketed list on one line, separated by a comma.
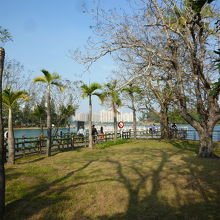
[(121, 124)]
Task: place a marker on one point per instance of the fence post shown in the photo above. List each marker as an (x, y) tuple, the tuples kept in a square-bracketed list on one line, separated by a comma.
[(23, 147), (72, 140), (41, 143)]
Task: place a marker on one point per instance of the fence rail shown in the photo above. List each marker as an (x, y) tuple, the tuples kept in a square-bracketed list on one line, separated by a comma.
[(37, 145)]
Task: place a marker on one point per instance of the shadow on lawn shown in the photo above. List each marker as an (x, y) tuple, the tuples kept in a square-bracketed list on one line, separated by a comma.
[(202, 178), (26, 207), (32, 161)]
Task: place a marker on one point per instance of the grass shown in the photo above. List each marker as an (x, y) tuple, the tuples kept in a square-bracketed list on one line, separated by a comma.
[(138, 180), (111, 143)]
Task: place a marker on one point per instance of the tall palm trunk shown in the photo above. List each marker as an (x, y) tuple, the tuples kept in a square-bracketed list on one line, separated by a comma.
[(115, 122), (2, 158), (11, 141), (90, 121), (49, 127)]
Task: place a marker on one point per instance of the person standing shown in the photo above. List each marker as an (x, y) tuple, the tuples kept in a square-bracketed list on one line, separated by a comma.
[(101, 133), (94, 133), (81, 132)]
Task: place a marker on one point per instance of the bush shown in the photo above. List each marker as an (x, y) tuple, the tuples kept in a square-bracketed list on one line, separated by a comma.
[(111, 143)]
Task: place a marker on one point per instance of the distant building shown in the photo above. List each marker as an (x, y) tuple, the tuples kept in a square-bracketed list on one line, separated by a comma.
[(81, 117), (104, 116), (108, 116)]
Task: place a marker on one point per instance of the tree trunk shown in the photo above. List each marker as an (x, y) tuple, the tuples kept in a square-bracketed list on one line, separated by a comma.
[(90, 121), (134, 118), (164, 122), (49, 127), (206, 144), (115, 123), (11, 142), (41, 128), (2, 158)]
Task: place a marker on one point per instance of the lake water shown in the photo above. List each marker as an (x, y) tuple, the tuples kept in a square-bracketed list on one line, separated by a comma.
[(191, 132), (18, 133)]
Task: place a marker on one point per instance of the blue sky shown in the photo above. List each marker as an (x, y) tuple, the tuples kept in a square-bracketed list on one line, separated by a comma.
[(44, 32)]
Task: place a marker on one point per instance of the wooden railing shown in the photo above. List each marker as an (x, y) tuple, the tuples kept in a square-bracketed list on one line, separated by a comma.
[(37, 145)]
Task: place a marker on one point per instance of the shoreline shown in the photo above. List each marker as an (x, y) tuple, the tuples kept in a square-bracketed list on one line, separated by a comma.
[(32, 128)]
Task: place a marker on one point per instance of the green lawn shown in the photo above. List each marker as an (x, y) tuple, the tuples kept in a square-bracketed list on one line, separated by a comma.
[(145, 179)]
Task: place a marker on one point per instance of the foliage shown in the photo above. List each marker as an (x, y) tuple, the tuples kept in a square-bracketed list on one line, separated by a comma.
[(111, 94), (50, 79), (216, 86), (39, 114), (197, 5), (88, 90), (10, 97), (65, 112), (111, 143), (4, 35)]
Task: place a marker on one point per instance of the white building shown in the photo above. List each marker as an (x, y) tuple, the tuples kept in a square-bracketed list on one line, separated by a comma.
[(104, 116), (81, 117), (85, 117), (108, 116)]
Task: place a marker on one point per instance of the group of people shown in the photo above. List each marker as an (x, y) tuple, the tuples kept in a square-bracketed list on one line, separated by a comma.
[(95, 133), (153, 128)]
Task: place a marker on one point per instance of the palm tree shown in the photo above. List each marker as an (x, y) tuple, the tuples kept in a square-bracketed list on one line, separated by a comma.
[(130, 90), (111, 95), (89, 91), (65, 113), (49, 79), (9, 99)]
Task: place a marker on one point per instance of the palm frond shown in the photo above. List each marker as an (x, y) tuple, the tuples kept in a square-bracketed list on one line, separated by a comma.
[(9, 97), (59, 85), (47, 75), (101, 96), (89, 90), (55, 76), (40, 79), (95, 86)]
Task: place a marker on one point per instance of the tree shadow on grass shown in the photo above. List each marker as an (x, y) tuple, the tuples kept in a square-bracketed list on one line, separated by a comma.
[(202, 178), (150, 207), (32, 161), (33, 202), (185, 145), (9, 175)]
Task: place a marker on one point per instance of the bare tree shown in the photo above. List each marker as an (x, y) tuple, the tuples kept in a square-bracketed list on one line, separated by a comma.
[(173, 36)]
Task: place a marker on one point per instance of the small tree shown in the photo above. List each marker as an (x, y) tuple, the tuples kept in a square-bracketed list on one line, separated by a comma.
[(112, 97), (40, 114), (9, 99), (89, 91), (49, 79), (131, 90)]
